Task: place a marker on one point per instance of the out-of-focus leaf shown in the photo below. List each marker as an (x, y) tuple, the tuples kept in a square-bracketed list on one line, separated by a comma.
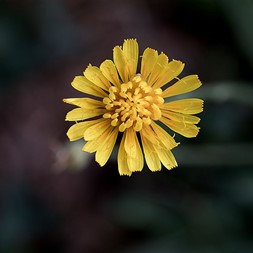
[(227, 91), (239, 14)]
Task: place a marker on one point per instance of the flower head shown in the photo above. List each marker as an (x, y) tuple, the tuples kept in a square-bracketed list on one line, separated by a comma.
[(133, 103)]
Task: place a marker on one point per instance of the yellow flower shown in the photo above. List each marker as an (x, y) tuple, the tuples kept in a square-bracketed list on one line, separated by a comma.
[(131, 102)]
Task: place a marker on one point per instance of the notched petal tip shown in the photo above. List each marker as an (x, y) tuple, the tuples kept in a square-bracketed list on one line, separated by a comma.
[(117, 48), (173, 167), (124, 173), (131, 39)]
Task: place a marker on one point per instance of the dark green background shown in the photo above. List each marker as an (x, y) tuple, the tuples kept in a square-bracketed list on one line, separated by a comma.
[(53, 198)]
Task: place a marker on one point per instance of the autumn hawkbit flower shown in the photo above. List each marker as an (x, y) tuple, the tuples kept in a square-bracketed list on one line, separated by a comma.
[(124, 100)]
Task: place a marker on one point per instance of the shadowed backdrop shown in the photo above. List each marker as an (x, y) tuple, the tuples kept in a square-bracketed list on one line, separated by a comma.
[(53, 197)]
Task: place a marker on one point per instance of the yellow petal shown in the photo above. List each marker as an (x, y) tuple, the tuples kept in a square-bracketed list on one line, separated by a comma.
[(122, 159), (131, 53), (120, 63), (158, 147), (110, 72), (92, 145), (81, 83), (76, 131), (187, 130), (186, 84), (186, 106), (134, 154), (86, 103), (151, 156), (159, 67), (150, 135), (173, 69), (105, 149), (156, 112), (97, 129), (166, 157), (179, 117), (167, 140), (149, 59), (82, 114), (95, 75)]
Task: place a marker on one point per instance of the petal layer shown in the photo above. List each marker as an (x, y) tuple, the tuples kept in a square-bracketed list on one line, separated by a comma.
[(186, 106), (81, 83), (76, 131), (87, 103), (151, 157), (110, 72), (97, 129), (149, 59), (166, 157), (184, 85), (105, 149), (94, 75), (158, 69), (172, 70), (120, 63), (93, 144), (131, 53), (185, 129), (82, 114), (135, 160), (167, 140), (122, 159), (180, 117)]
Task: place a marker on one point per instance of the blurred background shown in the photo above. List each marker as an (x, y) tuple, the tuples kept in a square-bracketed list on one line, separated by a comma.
[(55, 198)]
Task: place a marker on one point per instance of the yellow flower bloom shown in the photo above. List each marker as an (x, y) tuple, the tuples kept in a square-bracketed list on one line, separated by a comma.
[(126, 101)]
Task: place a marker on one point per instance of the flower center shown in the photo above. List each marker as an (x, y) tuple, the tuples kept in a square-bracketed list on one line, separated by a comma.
[(133, 104)]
